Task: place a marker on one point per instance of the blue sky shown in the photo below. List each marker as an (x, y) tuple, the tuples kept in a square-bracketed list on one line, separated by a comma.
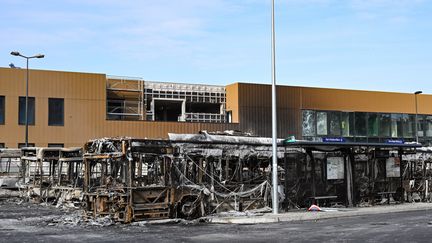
[(355, 44)]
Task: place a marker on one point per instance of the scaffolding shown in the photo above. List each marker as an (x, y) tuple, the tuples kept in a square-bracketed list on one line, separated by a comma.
[(125, 98), (190, 94), (130, 98)]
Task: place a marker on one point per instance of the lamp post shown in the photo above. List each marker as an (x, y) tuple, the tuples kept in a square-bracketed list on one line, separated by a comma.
[(416, 116), (15, 53), (275, 201)]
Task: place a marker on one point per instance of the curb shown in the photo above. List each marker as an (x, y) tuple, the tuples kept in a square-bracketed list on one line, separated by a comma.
[(305, 216)]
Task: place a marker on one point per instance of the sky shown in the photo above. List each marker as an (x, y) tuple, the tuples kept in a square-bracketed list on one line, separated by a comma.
[(381, 45)]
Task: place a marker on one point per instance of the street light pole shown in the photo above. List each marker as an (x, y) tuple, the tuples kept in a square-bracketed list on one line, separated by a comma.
[(15, 53), (275, 201), (26, 103), (416, 116)]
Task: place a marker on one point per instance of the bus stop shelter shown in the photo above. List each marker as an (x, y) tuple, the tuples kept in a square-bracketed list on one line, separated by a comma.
[(346, 173)]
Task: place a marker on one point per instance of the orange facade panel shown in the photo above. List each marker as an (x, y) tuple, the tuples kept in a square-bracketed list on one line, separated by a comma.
[(232, 100), (259, 95), (82, 93), (364, 101)]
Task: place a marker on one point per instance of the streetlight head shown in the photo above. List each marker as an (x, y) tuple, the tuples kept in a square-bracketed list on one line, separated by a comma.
[(40, 56), (418, 92), (15, 53)]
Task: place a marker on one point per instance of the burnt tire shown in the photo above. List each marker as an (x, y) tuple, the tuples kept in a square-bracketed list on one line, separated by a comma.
[(189, 207)]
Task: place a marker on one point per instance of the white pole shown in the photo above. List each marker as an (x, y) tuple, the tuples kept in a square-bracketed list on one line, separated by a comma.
[(274, 120), (416, 119), (416, 115)]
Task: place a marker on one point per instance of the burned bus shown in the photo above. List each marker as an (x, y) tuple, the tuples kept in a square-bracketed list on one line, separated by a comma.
[(186, 176)]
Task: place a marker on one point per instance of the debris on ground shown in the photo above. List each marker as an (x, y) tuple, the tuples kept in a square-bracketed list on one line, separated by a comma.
[(314, 208)]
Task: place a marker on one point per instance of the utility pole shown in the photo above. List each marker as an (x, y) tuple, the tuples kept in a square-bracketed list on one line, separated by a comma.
[(275, 200)]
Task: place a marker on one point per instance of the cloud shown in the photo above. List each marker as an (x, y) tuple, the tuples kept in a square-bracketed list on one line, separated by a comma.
[(395, 12), (218, 39), (162, 24), (374, 4)]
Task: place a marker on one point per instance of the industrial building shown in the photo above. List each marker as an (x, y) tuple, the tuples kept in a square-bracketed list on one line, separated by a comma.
[(69, 108)]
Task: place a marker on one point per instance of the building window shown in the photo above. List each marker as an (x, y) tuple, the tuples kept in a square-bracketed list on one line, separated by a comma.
[(384, 125), (408, 128), (55, 145), (364, 126), (2, 110), (428, 126), (360, 124), (373, 125), (396, 125), (335, 123), (55, 112), (169, 109), (2, 145), (22, 109), (347, 124), (22, 145), (309, 123), (322, 123), (420, 125)]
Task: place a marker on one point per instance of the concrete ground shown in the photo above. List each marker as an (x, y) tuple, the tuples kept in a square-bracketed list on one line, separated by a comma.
[(36, 223)]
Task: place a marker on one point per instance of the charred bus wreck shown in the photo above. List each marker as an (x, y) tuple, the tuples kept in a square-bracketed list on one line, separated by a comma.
[(194, 175), (51, 174), (188, 176), (9, 168), (353, 174)]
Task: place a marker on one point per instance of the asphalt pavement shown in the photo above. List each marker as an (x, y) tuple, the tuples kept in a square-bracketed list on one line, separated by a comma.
[(35, 223)]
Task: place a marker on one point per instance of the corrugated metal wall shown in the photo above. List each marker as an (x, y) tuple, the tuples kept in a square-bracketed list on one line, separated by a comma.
[(255, 109)]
